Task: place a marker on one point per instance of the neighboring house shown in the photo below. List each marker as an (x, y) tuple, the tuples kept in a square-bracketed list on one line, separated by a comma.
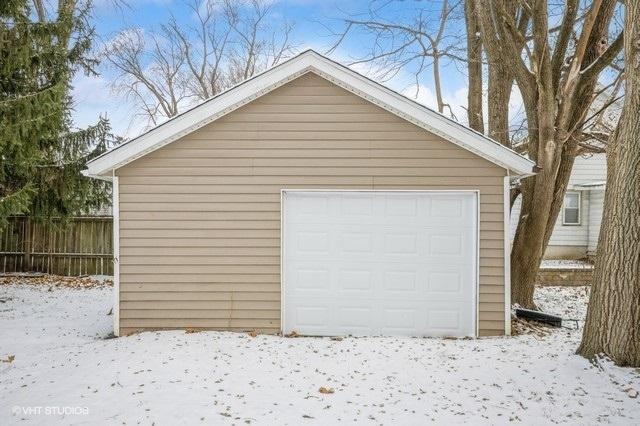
[(575, 235), (312, 199), (102, 211)]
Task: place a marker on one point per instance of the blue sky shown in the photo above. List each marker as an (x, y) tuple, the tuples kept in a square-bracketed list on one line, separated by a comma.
[(311, 18)]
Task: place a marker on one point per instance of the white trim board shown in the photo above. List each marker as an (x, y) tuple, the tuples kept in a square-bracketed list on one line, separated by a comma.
[(116, 254), (507, 254), (310, 61)]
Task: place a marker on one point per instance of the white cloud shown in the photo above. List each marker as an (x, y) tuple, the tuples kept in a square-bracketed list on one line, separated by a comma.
[(457, 100), (92, 98)]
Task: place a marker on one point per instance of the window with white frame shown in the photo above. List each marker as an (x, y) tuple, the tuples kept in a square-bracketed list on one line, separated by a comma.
[(571, 213)]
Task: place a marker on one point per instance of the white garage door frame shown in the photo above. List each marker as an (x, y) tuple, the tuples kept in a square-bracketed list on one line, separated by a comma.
[(475, 192)]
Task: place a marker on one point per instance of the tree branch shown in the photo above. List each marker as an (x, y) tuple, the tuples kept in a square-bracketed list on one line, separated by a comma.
[(596, 67)]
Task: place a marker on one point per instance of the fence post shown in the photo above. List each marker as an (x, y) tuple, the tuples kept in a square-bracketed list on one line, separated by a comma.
[(28, 245)]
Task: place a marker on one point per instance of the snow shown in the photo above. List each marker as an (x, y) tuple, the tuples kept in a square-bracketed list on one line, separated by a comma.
[(565, 264), (67, 371)]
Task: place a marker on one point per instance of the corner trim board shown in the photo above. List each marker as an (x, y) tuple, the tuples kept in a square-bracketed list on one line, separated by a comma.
[(507, 255), (116, 253)]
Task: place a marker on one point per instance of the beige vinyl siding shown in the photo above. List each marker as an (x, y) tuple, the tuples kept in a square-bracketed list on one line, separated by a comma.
[(200, 218)]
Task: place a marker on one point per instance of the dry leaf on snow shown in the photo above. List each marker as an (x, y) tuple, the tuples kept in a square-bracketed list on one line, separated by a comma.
[(325, 390)]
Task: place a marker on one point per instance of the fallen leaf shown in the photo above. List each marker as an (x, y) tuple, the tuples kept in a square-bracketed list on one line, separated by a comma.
[(9, 359), (191, 330), (52, 282), (253, 333), (325, 390), (292, 334)]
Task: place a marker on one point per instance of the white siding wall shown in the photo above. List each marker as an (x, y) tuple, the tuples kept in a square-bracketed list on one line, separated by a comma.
[(589, 169), (563, 235), (596, 203), (586, 169)]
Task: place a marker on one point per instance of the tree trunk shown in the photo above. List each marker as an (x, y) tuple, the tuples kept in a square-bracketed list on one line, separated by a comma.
[(500, 84), (613, 317), (562, 183), (528, 243), (527, 251), (529, 240), (474, 66)]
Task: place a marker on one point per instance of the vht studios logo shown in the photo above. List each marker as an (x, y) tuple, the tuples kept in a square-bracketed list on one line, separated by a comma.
[(53, 410)]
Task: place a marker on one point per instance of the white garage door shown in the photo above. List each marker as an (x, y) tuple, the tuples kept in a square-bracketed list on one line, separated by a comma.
[(380, 263)]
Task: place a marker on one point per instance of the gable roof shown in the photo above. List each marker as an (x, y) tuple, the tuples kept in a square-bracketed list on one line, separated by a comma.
[(308, 61)]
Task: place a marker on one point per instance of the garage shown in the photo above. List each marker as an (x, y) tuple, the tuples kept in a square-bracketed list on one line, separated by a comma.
[(312, 199), (380, 262)]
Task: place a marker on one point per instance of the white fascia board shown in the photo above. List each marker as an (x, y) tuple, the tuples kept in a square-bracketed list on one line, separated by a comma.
[(340, 75), (107, 178)]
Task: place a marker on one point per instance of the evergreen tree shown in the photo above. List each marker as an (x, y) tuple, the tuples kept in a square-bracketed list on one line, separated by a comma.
[(41, 156)]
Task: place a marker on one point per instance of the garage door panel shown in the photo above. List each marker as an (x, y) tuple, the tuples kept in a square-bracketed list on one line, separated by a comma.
[(362, 242), (388, 277), (444, 320), (358, 319), (364, 317), (401, 320), (355, 208), (310, 278), (310, 318), (312, 242), (375, 263), (344, 278), (402, 243)]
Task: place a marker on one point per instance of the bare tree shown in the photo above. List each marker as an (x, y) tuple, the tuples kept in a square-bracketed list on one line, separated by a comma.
[(423, 43), (175, 66), (558, 71), (613, 316), (557, 80)]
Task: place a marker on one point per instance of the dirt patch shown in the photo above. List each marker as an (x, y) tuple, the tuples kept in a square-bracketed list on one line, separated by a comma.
[(47, 280), (521, 326), (564, 277)]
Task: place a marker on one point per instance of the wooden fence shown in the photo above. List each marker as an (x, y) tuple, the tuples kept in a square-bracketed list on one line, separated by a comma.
[(84, 247)]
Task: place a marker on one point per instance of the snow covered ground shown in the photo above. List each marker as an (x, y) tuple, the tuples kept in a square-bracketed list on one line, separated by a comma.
[(66, 371), (565, 264)]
